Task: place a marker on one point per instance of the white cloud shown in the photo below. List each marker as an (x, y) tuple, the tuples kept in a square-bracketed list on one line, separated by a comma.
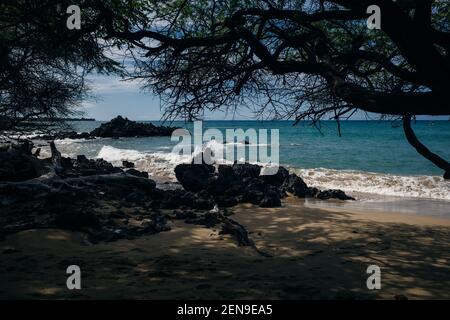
[(88, 104), (112, 84)]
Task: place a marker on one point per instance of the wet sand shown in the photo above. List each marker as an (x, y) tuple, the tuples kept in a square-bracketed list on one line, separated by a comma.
[(315, 253)]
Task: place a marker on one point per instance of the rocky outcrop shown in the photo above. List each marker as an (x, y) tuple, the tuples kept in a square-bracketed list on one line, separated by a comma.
[(295, 185), (194, 177), (123, 127), (17, 163), (246, 170), (243, 183), (116, 128), (137, 173), (74, 196), (81, 166), (77, 203), (65, 135), (333, 194), (127, 164)]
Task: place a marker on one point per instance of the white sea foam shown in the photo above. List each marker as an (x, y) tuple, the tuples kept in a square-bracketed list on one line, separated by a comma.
[(432, 187), (156, 164), (112, 154), (11, 135), (68, 141)]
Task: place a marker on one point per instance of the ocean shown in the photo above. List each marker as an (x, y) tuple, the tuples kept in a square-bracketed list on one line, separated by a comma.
[(371, 157)]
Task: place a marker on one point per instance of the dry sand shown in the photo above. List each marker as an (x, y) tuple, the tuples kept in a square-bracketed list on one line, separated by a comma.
[(315, 253)]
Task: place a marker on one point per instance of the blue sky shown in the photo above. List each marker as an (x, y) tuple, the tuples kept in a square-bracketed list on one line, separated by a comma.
[(113, 97)]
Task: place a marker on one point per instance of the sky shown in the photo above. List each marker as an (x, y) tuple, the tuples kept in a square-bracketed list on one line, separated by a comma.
[(113, 96)]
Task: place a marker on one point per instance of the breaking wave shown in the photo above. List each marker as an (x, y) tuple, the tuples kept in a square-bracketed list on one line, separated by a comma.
[(432, 187)]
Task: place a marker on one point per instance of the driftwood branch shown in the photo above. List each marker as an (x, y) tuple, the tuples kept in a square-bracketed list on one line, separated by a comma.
[(234, 228), (11, 192)]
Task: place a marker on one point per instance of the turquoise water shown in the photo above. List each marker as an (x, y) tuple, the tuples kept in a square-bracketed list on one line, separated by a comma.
[(371, 157), (373, 146)]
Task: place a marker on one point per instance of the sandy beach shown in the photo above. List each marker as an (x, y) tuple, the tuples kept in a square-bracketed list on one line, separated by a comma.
[(309, 253), (250, 151)]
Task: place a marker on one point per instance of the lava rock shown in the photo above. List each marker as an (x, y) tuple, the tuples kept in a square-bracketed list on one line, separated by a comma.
[(246, 170), (18, 164), (224, 201), (295, 185), (137, 173), (194, 177), (278, 178), (175, 199), (271, 199), (203, 204), (253, 196), (83, 166), (64, 135), (135, 197), (75, 220), (333, 194), (313, 191), (226, 174), (123, 127), (127, 164), (81, 159)]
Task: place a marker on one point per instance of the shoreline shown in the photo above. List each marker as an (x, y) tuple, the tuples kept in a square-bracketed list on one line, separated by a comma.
[(392, 205), (375, 184), (166, 179), (314, 254)]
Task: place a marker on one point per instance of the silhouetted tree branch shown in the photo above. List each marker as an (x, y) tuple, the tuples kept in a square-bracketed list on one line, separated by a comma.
[(423, 150), (298, 59), (293, 59)]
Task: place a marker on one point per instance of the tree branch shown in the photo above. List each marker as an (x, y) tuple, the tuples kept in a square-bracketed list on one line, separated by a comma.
[(424, 151)]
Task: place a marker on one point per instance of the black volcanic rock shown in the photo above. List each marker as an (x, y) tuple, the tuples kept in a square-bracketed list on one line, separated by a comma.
[(81, 166), (17, 163), (137, 173), (127, 164), (77, 219), (271, 199), (193, 177), (295, 185), (123, 127), (246, 170), (116, 128), (64, 135), (242, 183), (278, 178), (333, 194)]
